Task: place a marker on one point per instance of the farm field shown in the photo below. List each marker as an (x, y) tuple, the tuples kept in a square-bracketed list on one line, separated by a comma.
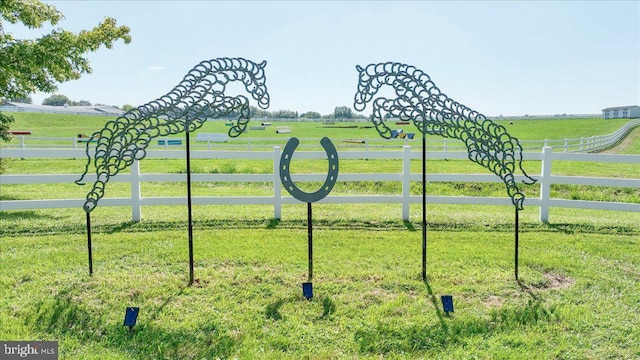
[(577, 296), (58, 125)]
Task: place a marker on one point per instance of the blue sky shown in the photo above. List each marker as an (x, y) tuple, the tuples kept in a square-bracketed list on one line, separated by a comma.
[(502, 57)]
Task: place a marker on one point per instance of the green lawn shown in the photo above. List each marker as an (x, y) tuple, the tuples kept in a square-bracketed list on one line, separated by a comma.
[(577, 297)]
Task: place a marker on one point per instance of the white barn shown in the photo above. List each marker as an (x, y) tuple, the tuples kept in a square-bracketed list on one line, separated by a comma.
[(618, 112)]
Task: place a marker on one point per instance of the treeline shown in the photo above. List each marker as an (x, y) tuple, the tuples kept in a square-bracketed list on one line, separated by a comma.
[(340, 112), (54, 100)]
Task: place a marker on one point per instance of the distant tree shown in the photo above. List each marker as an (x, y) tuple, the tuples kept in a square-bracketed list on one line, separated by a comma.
[(127, 107), (255, 112), (56, 100), (342, 112), (284, 114), (81, 103), (311, 115), (22, 100)]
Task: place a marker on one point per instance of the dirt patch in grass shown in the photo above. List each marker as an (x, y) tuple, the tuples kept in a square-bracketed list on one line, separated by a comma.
[(494, 301), (551, 281), (557, 281)]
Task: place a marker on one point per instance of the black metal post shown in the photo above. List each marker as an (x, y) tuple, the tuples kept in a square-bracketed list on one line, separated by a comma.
[(424, 202), (89, 243), (189, 208), (517, 220), (310, 242)]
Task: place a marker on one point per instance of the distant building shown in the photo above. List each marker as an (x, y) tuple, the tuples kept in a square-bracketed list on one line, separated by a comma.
[(105, 110), (618, 112)]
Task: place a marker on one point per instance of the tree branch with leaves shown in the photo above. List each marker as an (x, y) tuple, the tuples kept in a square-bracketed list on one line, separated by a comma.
[(32, 65)]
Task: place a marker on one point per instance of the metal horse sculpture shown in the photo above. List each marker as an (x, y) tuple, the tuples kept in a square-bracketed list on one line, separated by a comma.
[(432, 112), (198, 97)]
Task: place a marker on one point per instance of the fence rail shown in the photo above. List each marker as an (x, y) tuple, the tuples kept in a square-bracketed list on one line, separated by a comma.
[(136, 200)]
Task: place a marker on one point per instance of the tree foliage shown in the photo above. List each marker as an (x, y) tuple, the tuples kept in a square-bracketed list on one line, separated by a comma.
[(342, 112), (284, 114), (31, 65), (311, 115), (4, 127), (22, 100), (57, 100), (255, 112)]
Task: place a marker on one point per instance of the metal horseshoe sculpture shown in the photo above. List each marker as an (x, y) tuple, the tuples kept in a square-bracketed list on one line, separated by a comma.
[(332, 175), (287, 182)]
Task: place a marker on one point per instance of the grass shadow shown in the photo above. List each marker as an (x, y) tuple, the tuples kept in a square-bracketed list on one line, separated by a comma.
[(66, 316), (450, 331), (273, 223), (333, 224), (409, 225), (26, 215), (273, 309), (571, 229), (436, 306), (389, 339)]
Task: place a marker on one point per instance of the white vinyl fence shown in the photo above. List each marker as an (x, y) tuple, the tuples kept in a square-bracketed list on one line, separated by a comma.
[(136, 200)]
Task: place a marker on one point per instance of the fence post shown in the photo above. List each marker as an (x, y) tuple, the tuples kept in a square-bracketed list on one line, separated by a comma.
[(545, 183), (406, 181), (277, 186), (566, 144), (22, 141), (136, 212)]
